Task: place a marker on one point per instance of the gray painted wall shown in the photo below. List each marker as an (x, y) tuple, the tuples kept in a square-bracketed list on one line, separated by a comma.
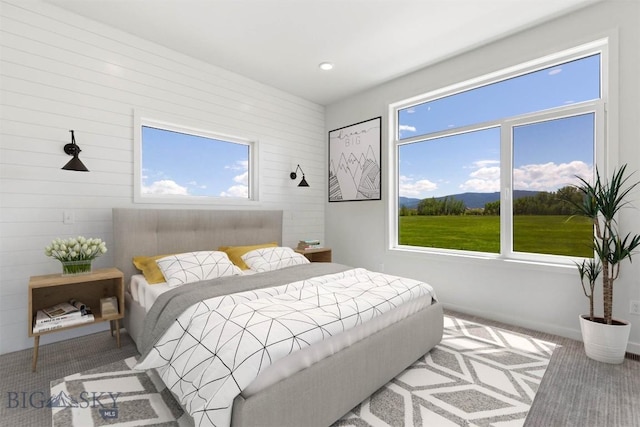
[(543, 297)]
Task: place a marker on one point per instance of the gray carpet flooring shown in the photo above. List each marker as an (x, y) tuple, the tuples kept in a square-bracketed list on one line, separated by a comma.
[(24, 392), (575, 390)]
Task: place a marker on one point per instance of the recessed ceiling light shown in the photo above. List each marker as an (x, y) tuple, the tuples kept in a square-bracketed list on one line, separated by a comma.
[(326, 66)]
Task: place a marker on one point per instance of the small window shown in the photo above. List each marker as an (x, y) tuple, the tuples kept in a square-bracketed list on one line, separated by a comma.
[(176, 164)]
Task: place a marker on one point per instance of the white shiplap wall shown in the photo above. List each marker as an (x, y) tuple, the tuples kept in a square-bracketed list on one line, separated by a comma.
[(59, 71)]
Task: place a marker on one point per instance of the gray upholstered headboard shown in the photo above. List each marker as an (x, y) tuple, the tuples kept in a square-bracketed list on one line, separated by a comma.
[(166, 231)]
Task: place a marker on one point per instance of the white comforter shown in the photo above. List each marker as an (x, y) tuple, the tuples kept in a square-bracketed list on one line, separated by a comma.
[(219, 346)]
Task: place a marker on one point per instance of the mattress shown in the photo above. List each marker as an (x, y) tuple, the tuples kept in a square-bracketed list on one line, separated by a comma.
[(144, 293)]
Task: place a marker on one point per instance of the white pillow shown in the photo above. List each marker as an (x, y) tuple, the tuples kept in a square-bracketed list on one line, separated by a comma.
[(269, 259), (195, 266)]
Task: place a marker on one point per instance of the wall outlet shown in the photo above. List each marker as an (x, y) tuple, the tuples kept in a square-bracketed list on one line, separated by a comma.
[(634, 307)]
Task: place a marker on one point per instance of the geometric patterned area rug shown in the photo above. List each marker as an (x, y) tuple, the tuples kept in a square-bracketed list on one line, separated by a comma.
[(114, 395), (478, 376)]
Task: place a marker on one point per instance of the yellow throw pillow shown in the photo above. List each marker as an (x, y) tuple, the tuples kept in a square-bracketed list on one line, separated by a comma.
[(235, 252), (149, 268)]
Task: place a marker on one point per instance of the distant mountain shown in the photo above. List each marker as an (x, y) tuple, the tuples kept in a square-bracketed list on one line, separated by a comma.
[(471, 200), (408, 202)]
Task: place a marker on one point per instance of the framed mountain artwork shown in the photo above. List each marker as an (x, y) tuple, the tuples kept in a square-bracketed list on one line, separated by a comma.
[(354, 162)]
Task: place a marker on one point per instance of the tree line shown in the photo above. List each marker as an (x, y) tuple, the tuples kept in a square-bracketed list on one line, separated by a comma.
[(543, 203)]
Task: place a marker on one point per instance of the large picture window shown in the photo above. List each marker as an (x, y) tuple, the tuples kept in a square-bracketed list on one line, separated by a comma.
[(481, 166), (176, 164)]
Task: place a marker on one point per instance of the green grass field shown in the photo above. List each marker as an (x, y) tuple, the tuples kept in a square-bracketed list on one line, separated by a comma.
[(546, 234)]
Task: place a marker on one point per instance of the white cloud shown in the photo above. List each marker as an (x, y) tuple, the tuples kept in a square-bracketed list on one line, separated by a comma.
[(486, 173), (242, 178), (555, 71), (485, 179), (240, 165), (242, 189), (407, 128), (480, 186), (535, 177), (416, 189), (236, 191), (165, 186), (549, 176), (485, 163), (196, 185)]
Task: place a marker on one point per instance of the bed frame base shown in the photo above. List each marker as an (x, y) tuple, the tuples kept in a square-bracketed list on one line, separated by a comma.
[(327, 390)]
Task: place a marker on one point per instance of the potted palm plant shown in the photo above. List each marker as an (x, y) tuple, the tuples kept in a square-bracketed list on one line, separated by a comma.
[(605, 338)]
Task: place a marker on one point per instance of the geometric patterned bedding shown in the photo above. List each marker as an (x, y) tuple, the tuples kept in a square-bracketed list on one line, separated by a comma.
[(218, 346)]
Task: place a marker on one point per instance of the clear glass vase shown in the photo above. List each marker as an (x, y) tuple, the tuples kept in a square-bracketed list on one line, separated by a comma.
[(71, 268)]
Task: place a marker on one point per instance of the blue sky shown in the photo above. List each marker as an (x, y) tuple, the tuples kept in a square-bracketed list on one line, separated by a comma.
[(547, 155), (181, 164)]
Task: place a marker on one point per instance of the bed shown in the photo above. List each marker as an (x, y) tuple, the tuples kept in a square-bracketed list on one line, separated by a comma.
[(317, 395)]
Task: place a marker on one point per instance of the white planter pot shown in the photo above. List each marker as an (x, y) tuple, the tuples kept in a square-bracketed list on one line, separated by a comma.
[(605, 343)]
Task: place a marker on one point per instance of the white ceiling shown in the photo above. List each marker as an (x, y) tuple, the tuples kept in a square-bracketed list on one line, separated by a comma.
[(281, 42)]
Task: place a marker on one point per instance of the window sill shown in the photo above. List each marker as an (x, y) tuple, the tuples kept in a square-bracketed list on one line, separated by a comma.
[(564, 265)]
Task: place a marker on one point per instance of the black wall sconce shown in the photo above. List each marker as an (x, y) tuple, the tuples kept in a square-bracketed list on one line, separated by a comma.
[(72, 149), (294, 175)]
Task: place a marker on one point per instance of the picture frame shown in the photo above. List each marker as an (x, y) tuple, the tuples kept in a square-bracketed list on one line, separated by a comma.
[(355, 165)]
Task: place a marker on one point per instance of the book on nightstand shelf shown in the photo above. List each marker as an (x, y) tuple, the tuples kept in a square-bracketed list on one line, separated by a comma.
[(309, 244), (43, 323), (61, 315), (59, 310)]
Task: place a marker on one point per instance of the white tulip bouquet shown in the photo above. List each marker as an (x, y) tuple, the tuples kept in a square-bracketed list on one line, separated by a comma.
[(75, 249), (75, 253)]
